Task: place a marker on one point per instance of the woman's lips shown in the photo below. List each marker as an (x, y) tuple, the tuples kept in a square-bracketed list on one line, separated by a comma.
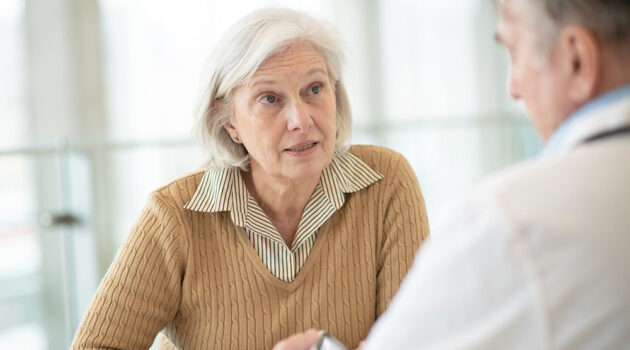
[(302, 149)]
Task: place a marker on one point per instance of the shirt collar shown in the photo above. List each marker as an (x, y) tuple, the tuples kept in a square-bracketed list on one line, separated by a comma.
[(346, 173), (223, 189), (605, 113)]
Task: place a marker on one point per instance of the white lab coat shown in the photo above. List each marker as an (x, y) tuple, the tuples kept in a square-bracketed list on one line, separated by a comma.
[(536, 257)]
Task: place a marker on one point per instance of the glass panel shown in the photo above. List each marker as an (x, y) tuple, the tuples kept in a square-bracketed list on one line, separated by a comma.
[(12, 116), (20, 259), (440, 60), (138, 172), (48, 271), (449, 158), (20, 252)]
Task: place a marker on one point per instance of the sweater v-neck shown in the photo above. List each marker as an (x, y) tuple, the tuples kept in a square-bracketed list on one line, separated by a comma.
[(223, 189), (262, 270)]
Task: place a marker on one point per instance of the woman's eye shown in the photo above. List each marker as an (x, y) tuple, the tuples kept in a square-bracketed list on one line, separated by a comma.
[(316, 89), (269, 99)]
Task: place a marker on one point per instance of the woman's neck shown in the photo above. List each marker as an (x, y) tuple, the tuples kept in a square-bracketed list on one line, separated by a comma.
[(282, 201)]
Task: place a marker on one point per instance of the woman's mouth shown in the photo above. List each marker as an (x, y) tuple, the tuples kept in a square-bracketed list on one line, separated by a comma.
[(302, 148)]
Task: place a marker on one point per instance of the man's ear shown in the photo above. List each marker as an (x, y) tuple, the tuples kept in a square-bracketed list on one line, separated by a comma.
[(581, 56)]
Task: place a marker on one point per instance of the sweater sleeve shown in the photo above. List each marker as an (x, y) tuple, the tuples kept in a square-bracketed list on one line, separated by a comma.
[(141, 291), (405, 227)]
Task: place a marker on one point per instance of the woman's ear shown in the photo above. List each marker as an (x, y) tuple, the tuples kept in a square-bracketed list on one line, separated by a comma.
[(231, 129)]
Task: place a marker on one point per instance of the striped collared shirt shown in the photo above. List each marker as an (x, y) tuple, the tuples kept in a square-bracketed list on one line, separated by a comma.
[(223, 189)]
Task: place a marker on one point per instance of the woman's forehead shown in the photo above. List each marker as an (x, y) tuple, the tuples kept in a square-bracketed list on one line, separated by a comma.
[(299, 57)]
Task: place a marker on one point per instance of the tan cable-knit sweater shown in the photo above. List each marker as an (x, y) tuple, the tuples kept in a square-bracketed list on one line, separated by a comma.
[(197, 276)]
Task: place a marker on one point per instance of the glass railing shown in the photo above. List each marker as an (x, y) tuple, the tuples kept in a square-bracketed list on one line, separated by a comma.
[(65, 209)]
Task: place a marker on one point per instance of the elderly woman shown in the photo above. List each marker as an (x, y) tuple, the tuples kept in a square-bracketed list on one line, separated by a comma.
[(288, 228)]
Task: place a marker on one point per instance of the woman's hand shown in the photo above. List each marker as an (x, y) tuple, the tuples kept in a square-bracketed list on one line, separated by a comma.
[(299, 341)]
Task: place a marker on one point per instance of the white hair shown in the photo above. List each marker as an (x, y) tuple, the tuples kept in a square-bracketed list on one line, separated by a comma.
[(237, 56)]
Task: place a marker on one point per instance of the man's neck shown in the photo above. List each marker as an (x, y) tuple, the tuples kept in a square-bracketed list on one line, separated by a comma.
[(615, 70), (607, 98)]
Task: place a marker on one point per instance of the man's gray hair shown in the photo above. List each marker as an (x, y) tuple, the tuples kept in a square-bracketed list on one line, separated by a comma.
[(609, 20), (236, 58)]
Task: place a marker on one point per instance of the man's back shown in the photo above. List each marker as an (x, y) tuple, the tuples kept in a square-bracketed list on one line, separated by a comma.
[(534, 258)]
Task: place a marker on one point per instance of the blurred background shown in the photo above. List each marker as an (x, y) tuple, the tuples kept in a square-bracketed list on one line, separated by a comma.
[(96, 101)]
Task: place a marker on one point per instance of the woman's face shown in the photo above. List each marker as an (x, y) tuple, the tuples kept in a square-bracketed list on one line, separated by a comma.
[(285, 116)]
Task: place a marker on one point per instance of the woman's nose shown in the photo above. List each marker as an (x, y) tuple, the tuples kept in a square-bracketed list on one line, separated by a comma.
[(298, 117)]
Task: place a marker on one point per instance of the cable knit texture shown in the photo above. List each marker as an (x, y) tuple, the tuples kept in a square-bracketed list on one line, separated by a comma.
[(196, 276)]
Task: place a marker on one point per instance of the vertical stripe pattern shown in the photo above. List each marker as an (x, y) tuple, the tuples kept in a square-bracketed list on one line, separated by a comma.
[(223, 189)]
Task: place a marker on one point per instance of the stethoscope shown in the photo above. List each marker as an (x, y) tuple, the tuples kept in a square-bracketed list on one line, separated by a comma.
[(608, 134)]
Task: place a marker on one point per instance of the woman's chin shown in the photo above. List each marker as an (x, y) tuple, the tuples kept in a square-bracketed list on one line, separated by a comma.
[(304, 172)]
